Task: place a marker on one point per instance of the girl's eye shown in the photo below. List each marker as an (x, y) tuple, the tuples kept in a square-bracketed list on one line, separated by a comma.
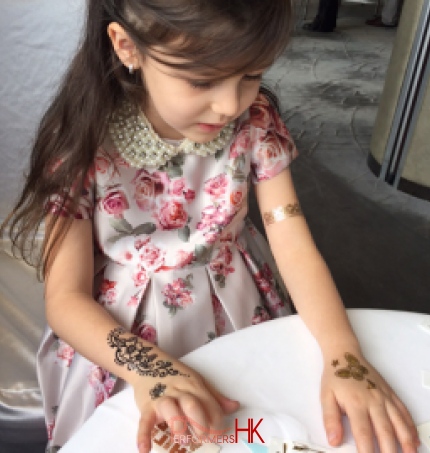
[(253, 77), (200, 84), (206, 84)]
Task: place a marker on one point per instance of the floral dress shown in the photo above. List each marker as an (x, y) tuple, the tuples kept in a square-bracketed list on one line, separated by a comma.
[(177, 261)]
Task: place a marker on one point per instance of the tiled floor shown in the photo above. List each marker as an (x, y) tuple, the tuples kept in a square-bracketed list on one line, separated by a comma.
[(374, 238)]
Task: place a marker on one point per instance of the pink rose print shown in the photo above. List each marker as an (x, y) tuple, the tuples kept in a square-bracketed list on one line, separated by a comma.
[(236, 198), (96, 376), (109, 384), (260, 315), (171, 215), (50, 428), (227, 238), (102, 164), (102, 382), (267, 285), (189, 195), (119, 161), (214, 218), (260, 112), (221, 265), (217, 186), (61, 205), (140, 277), (115, 203), (264, 278), (177, 187), (219, 316), (271, 156), (145, 331), (264, 116), (183, 259), (139, 243), (147, 187), (152, 258), (128, 256), (177, 294), (215, 214), (100, 397), (107, 292), (253, 232), (56, 207), (133, 302), (241, 144), (65, 353)]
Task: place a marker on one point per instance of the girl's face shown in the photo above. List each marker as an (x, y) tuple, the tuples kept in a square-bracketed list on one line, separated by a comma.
[(195, 105)]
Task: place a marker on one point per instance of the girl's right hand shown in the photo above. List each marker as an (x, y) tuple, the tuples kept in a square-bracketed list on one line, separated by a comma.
[(179, 400)]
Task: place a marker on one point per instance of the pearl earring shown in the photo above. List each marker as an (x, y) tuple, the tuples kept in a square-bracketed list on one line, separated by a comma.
[(131, 68)]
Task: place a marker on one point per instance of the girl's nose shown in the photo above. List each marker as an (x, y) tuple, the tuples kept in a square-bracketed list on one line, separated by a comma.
[(226, 100)]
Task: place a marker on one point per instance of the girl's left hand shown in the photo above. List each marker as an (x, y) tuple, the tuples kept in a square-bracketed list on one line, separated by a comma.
[(351, 386)]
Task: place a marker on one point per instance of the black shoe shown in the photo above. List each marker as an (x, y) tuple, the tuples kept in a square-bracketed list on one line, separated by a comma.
[(312, 26)]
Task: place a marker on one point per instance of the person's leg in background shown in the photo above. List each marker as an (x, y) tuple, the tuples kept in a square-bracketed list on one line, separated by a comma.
[(325, 20), (391, 12), (389, 15)]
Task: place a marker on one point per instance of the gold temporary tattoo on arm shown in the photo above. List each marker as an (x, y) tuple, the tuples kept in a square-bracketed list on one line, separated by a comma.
[(354, 370), (282, 212), (131, 352)]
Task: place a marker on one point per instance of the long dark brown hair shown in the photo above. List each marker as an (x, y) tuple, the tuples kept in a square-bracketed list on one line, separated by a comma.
[(235, 35)]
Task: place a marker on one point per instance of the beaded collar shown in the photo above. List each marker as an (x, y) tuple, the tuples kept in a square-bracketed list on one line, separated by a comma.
[(140, 146)]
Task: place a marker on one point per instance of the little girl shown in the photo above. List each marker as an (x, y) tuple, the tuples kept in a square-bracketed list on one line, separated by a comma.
[(141, 169)]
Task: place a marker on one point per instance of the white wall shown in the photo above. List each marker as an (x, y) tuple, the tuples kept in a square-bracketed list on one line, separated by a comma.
[(38, 38)]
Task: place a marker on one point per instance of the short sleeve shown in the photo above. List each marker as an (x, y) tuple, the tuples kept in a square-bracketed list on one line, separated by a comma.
[(60, 204), (272, 147)]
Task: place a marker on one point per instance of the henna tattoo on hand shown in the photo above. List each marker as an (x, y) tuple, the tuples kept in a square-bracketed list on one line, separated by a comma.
[(131, 352), (353, 369), (157, 391)]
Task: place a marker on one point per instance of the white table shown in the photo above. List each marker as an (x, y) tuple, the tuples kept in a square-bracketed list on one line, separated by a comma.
[(275, 367)]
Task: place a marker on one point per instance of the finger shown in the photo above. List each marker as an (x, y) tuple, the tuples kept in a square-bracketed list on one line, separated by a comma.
[(146, 424), (407, 418), (167, 409), (195, 414), (218, 405), (227, 405), (383, 428), (406, 434), (332, 418), (361, 429)]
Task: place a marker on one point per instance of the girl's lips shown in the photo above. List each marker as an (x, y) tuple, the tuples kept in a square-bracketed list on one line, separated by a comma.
[(206, 127)]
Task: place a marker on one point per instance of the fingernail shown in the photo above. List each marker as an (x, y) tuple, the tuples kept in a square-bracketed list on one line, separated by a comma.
[(332, 436), (142, 447)]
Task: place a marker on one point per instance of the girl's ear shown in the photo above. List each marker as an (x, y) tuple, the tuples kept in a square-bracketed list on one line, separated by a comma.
[(123, 45)]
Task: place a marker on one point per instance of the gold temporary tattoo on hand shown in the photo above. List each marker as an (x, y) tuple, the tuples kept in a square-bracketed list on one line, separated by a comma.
[(131, 352), (354, 370), (282, 212)]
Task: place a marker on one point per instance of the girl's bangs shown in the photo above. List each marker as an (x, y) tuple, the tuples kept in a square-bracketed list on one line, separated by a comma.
[(250, 42)]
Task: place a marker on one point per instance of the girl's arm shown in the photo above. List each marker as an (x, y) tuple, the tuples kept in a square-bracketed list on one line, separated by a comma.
[(303, 270), (370, 404), (80, 321)]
